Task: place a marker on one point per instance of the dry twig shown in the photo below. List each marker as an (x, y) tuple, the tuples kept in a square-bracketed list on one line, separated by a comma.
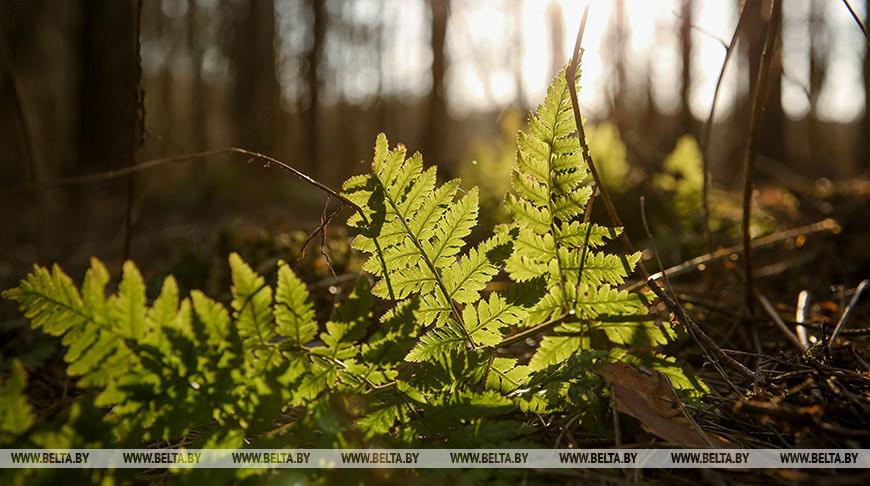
[(758, 102), (847, 311), (705, 133), (571, 78), (821, 226)]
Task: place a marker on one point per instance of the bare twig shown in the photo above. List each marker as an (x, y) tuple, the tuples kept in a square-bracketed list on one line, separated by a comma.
[(758, 103), (768, 307), (571, 78), (858, 21), (847, 311), (677, 309), (324, 222), (154, 163), (699, 29), (824, 225), (546, 326), (687, 321), (705, 133), (800, 316)]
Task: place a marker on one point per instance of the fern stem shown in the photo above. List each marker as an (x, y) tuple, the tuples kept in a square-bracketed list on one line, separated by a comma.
[(571, 78), (546, 326), (456, 314), (556, 243)]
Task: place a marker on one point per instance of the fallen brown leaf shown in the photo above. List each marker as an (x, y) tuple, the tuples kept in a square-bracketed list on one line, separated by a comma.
[(649, 397)]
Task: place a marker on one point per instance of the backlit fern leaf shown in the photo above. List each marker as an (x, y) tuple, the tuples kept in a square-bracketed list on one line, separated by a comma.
[(415, 236)]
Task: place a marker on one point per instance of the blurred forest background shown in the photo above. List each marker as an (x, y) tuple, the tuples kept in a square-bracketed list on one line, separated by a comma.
[(311, 82)]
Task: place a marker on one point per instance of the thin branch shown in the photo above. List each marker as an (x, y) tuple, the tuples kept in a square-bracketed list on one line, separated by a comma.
[(847, 311), (687, 321), (858, 21), (546, 326), (758, 102), (151, 164), (800, 316), (699, 29), (765, 241), (679, 308), (705, 133), (570, 77), (768, 307)]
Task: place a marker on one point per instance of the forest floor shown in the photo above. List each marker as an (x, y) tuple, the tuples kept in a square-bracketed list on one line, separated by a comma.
[(795, 398)]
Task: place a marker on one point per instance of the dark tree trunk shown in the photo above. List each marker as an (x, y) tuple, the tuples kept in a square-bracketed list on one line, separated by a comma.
[(108, 85), (772, 141), (199, 127), (818, 53), (313, 82), (257, 94), (864, 155), (686, 54), (436, 118), (753, 39)]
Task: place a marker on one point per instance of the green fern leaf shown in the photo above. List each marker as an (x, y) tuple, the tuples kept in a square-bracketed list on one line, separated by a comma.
[(465, 278), (575, 234), (164, 311), (439, 341), (294, 314), (252, 301), (16, 415), (556, 349), (455, 225), (130, 304)]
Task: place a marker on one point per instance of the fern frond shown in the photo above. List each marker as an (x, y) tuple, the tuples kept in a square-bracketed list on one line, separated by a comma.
[(16, 415), (449, 235), (130, 304), (556, 349), (416, 235), (441, 340), (294, 314), (576, 234), (465, 278), (252, 302), (597, 268)]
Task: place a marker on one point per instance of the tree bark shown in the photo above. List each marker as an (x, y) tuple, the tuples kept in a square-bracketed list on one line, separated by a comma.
[(257, 94), (313, 58), (864, 154), (686, 54), (436, 118), (107, 110)]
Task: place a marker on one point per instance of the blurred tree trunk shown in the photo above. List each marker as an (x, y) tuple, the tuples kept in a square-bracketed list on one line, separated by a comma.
[(864, 154), (107, 93), (516, 46), (313, 58), (818, 54), (198, 127), (618, 44), (434, 135), (772, 141), (753, 40), (686, 54), (257, 94), (556, 22)]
